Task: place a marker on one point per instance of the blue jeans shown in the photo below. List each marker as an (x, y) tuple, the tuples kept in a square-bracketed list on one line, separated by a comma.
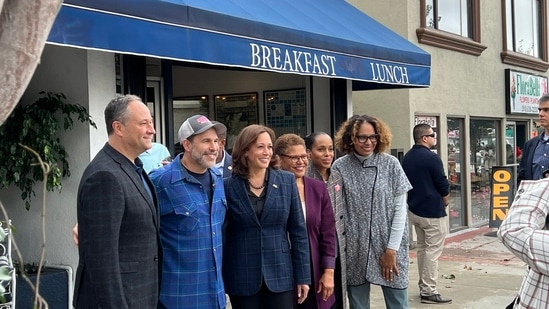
[(359, 297)]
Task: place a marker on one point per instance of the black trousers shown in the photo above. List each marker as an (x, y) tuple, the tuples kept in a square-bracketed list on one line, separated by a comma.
[(264, 299), (338, 289)]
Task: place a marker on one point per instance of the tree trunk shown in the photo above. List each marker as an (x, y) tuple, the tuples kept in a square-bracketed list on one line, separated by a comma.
[(24, 28)]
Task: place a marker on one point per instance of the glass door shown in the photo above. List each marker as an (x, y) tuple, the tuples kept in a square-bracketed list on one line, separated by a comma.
[(484, 154), (154, 103), (510, 144), (456, 173)]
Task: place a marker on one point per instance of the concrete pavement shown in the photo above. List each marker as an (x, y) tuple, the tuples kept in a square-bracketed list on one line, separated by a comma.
[(481, 273)]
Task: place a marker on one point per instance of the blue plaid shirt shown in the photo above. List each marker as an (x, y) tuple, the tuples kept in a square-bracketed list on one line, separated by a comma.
[(190, 232)]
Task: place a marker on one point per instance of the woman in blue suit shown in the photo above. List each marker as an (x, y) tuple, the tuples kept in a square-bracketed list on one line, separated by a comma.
[(264, 216)]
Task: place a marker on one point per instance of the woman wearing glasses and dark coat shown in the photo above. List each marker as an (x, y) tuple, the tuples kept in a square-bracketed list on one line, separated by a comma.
[(374, 190)]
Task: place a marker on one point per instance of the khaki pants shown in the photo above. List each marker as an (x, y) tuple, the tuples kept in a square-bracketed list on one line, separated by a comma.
[(431, 233)]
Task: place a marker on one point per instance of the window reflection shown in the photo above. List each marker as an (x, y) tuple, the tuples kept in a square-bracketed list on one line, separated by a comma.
[(456, 210), (449, 15), (483, 156), (523, 26)]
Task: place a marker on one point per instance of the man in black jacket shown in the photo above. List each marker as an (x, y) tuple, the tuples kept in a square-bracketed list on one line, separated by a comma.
[(535, 153), (118, 242), (427, 203)]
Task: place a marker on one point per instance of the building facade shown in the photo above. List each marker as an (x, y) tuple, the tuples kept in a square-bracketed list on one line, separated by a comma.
[(482, 85), (290, 65), (489, 67)]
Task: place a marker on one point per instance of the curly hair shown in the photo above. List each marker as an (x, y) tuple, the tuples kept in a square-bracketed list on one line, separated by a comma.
[(245, 139), (346, 135), (285, 141)]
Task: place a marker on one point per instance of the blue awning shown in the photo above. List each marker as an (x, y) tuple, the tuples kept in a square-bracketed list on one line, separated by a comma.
[(328, 38)]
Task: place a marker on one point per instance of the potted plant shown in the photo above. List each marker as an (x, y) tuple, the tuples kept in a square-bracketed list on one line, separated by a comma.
[(37, 126), (32, 151)]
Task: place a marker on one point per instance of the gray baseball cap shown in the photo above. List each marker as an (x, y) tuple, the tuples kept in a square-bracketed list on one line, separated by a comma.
[(223, 128), (198, 124)]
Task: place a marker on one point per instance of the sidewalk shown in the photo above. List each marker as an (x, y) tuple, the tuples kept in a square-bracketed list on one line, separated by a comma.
[(484, 273)]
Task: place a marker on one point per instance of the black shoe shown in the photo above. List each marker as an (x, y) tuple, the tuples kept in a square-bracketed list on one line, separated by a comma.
[(435, 299)]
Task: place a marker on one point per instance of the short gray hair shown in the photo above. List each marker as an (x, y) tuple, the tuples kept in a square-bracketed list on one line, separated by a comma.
[(117, 110)]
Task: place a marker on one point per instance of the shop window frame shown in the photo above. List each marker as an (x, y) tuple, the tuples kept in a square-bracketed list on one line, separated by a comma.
[(443, 39), (457, 174), (509, 56), (488, 144)]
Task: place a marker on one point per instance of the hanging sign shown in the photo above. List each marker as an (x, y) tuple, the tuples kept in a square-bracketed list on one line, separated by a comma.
[(501, 195)]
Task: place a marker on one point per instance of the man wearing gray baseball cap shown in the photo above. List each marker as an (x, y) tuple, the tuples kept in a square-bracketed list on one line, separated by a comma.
[(192, 207), (198, 124)]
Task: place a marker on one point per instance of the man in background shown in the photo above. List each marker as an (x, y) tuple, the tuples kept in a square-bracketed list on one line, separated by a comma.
[(535, 153), (155, 157), (427, 202), (224, 160), (118, 246)]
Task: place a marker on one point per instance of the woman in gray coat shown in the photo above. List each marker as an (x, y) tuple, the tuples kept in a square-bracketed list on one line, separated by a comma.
[(374, 190)]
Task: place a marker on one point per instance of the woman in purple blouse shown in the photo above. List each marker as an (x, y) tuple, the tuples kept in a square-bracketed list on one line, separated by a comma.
[(319, 217)]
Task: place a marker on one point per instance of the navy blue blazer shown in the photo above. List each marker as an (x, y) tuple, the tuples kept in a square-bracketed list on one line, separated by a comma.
[(525, 166), (227, 165), (119, 248), (425, 172), (258, 250)]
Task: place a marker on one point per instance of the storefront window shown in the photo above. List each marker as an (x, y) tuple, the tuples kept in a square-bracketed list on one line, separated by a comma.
[(484, 144), (512, 152), (456, 210)]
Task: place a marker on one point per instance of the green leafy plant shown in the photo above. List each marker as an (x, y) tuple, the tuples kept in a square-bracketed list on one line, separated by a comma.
[(28, 268), (37, 126)]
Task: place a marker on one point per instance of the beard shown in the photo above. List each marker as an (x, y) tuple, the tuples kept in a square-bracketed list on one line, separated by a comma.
[(201, 158)]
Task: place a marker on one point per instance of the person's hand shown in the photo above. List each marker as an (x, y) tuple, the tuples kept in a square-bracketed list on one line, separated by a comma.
[(388, 264), (166, 161), (326, 284), (302, 291), (75, 234)]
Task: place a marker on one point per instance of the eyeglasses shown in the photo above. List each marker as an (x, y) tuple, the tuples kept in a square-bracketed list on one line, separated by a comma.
[(294, 159), (363, 138), (433, 135)]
